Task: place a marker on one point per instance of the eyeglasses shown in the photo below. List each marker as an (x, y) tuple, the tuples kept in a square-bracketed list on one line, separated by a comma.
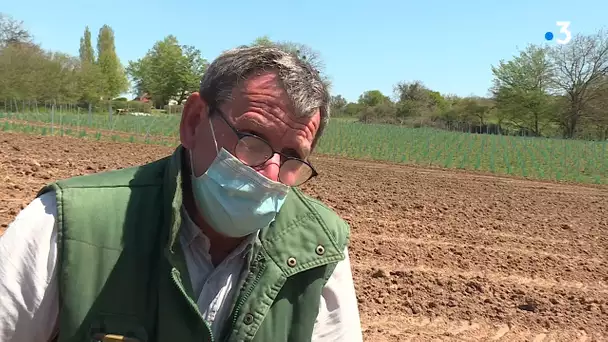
[(254, 151)]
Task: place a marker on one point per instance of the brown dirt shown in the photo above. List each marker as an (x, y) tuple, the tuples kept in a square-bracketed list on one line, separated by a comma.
[(437, 255)]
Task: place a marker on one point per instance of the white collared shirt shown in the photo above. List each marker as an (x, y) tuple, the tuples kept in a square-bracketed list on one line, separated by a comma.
[(29, 297)]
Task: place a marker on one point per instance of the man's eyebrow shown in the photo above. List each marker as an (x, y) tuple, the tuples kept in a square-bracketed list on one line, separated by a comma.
[(300, 152), (255, 126), (252, 126), (256, 133)]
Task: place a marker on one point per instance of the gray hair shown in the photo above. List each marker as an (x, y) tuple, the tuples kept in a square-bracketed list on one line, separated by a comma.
[(301, 81)]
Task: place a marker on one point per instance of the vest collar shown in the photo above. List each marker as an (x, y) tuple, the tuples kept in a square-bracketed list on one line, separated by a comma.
[(299, 232), (173, 195)]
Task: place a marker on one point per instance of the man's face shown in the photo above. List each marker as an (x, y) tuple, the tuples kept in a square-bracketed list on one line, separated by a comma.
[(261, 107)]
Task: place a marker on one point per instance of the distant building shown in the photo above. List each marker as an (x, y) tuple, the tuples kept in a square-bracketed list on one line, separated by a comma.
[(145, 98)]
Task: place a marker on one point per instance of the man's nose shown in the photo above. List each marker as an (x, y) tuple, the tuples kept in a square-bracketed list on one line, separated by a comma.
[(270, 169)]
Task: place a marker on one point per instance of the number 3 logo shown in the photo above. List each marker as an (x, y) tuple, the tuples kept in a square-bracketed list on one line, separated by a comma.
[(565, 25)]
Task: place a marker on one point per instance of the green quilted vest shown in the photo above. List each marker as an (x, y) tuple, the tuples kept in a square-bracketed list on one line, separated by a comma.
[(121, 270)]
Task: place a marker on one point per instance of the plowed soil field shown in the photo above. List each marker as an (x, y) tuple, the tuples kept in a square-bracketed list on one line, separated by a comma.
[(437, 255)]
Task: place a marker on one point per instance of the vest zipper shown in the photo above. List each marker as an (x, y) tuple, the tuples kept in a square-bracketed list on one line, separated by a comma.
[(192, 304), (257, 267)]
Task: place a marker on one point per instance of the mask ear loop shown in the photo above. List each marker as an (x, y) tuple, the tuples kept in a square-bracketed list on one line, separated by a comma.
[(213, 135), (214, 142)]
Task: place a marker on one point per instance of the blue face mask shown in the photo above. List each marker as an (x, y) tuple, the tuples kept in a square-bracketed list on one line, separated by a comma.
[(235, 199)]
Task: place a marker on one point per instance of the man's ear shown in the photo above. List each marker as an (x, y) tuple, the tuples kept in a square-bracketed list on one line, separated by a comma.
[(195, 110)]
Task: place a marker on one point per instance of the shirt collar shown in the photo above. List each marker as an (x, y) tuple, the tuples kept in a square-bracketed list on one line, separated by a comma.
[(190, 232)]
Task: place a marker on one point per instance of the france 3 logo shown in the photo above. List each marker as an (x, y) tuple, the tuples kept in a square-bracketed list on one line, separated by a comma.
[(564, 29)]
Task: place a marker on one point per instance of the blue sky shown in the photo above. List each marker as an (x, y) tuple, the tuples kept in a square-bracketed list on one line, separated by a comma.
[(448, 45)]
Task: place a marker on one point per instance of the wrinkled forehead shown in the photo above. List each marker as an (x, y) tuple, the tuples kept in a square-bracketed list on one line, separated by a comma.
[(264, 92), (260, 104)]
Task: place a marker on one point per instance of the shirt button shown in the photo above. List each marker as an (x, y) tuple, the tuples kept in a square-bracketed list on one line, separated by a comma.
[(248, 319), (292, 262)]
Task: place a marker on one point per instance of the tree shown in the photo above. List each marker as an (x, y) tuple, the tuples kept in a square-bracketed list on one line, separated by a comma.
[(415, 99), (597, 110), (383, 112), (21, 69), (194, 66), (90, 78), (86, 47), (353, 109), (578, 66), (90, 85), (310, 55), (306, 53), (114, 80), (263, 41), (337, 105), (302, 51), (28, 72), (474, 109), (168, 71), (521, 89), (12, 31), (374, 107), (373, 98), (61, 76)]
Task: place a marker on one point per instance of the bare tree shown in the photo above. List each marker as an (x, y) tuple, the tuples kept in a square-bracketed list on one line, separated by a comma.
[(12, 31), (303, 51), (597, 110), (410, 91), (578, 66), (306, 53)]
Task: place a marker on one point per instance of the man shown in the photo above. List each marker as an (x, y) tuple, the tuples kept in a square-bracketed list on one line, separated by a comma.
[(213, 243)]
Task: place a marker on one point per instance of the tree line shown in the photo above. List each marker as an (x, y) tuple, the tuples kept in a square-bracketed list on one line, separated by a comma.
[(543, 91), (559, 90), (27, 71)]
